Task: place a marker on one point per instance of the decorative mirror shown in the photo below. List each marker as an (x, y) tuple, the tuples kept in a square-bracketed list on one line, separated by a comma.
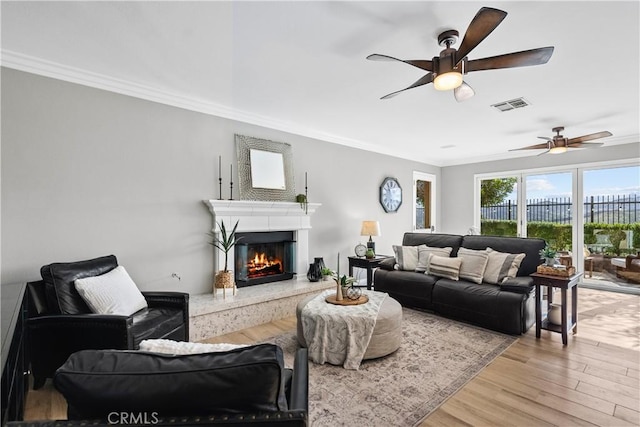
[(265, 169)]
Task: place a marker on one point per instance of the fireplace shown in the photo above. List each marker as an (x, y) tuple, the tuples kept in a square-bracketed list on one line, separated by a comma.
[(264, 257), (263, 218)]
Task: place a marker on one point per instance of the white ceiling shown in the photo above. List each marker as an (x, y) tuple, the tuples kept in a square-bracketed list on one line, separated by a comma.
[(300, 67)]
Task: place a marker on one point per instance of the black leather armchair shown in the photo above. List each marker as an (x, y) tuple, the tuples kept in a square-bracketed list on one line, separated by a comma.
[(60, 323)]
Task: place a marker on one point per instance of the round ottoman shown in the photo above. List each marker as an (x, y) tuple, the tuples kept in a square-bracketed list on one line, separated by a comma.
[(387, 334)]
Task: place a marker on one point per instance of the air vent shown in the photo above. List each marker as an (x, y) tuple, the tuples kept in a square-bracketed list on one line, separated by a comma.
[(511, 104)]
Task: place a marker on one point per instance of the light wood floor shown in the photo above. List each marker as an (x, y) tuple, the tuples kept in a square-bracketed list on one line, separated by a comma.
[(594, 380)]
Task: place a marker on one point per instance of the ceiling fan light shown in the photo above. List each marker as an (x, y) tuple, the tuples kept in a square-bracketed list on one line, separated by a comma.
[(558, 150), (463, 92), (448, 81)]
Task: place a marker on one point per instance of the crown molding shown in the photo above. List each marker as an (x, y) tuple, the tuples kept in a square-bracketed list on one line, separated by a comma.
[(39, 66)]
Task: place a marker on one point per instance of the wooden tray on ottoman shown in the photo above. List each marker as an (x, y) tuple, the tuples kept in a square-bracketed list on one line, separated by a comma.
[(331, 299), (553, 271)]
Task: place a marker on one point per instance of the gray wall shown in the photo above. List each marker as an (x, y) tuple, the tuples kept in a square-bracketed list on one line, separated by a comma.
[(87, 172), (459, 180)]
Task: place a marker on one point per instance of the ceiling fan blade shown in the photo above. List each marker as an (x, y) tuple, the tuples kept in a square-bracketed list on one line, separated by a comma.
[(524, 58), (589, 137), (546, 138), (585, 144), (423, 64), (485, 21), (534, 147), (463, 92), (427, 78)]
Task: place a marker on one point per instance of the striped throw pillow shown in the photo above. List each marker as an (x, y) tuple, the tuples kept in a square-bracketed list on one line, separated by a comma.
[(501, 266), (423, 256), (473, 264), (446, 267)]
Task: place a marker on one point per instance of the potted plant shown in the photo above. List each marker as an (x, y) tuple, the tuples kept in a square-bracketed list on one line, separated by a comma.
[(344, 282), (549, 255), (326, 273), (224, 241), (302, 199)]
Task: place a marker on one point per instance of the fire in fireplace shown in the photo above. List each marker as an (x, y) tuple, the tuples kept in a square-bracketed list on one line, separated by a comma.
[(264, 257), (262, 264)]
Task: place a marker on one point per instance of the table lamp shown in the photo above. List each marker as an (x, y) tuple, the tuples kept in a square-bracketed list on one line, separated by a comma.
[(370, 228)]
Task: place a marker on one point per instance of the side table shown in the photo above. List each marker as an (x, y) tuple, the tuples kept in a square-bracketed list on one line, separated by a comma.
[(564, 284), (367, 263)]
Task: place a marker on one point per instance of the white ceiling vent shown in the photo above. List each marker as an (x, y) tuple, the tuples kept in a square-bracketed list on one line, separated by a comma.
[(511, 104)]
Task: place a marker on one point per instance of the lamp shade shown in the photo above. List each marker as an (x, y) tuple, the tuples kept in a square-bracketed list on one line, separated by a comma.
[(370, 228)]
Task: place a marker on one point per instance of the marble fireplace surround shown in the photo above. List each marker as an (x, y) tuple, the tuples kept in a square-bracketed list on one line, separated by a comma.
[(212, 315)]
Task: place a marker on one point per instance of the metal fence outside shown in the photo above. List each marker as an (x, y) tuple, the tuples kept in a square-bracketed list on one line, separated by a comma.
[(607, 209)]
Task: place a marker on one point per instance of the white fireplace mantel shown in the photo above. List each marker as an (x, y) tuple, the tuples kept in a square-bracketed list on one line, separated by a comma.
[(257, 216)]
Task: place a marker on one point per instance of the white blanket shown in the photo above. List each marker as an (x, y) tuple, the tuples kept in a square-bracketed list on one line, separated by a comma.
[(337, 334), (183, 347)]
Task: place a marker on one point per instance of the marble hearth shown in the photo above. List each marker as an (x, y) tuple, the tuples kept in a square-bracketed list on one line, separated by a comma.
[(211, 315)]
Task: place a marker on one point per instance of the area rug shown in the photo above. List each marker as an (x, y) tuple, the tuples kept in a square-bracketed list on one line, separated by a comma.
[(436, 358)]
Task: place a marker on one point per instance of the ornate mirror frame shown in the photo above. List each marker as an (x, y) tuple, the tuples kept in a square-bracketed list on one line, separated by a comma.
[(244, 145)]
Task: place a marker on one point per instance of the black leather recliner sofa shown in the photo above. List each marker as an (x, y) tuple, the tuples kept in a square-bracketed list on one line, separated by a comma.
[(60, 322), (245, 386), (508, 307)]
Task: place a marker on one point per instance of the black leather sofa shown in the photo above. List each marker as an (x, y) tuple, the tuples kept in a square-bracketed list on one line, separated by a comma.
[(60, 322), (508, 307), (244, 386)]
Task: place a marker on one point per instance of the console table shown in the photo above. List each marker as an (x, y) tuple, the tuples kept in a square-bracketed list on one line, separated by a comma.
[(564, 284), (368, 264), (15, 364)]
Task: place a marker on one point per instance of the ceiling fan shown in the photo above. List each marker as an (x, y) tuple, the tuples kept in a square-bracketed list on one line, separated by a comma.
[(559, 144), (446, 70)]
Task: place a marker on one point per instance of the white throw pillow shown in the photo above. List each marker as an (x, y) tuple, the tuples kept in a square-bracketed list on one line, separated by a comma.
[(111, 293), (183, 347), (423, 256), (446, 267), (406, 257), (501, 266), (473, 264)]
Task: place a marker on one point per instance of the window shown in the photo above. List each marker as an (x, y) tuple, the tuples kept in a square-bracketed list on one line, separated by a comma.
[(499, 206), (424, 194)]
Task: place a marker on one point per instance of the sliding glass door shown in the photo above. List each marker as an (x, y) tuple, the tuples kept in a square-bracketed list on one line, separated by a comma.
[(590, 215), (550, 211), (611, 225)]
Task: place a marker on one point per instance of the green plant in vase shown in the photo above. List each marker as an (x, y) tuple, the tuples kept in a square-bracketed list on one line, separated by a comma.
[(548, 254), (344, 282), (302, 199), (346, 286), (326, 273), (224, 241)]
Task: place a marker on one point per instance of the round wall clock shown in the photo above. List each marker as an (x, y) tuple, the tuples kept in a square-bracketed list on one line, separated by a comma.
[(390, 195)]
